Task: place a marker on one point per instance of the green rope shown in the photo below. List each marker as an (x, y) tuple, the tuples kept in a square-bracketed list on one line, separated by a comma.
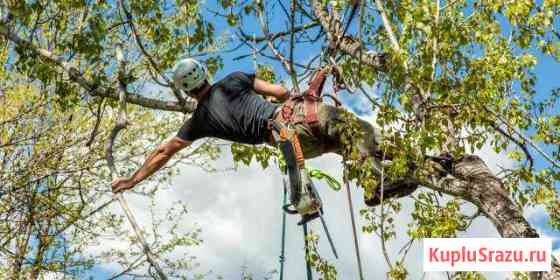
[(320, 175)]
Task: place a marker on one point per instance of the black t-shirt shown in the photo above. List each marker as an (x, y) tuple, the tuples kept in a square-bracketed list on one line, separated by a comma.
[(232, 111)]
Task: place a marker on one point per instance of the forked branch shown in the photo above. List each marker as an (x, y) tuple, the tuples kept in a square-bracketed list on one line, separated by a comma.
[(121, 124)]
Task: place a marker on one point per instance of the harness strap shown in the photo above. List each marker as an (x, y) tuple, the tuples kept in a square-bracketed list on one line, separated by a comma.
[(281, 134), (300, 159), (303, 197), (288, 110), (310, 100), (310, 109), (312, 96), (316, 84)]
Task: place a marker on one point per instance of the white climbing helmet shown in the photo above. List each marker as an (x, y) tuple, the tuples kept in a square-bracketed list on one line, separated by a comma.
[(189, 74)]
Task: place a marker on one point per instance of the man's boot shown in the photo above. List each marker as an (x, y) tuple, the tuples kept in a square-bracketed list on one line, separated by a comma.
[(398, 188)]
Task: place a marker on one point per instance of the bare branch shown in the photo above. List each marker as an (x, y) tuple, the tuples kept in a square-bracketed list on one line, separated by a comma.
[(292, 44), (121, 124), (264, 27), (150, 58), (525, 139), (275, 35), (348, 45), (98, 114), (388, 28)]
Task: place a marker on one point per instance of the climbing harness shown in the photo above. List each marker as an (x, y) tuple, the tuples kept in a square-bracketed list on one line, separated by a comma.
[(304, 198), (310, 98)]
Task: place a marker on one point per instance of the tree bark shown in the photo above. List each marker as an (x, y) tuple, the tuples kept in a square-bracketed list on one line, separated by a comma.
[(471, 179)]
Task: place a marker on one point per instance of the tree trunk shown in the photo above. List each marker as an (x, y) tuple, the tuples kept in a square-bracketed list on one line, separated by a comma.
[(471, 179)]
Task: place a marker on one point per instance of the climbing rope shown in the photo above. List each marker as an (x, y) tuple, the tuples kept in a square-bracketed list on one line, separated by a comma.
[(320, 175), (283, 248), (307, 262), (355, 235), (120, 125), (334, 185)]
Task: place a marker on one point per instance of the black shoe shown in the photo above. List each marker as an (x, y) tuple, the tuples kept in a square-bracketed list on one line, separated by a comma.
[(308, 217), (396, 189)]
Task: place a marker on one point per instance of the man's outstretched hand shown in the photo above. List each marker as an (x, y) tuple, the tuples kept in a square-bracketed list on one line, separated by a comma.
[(121, 184)]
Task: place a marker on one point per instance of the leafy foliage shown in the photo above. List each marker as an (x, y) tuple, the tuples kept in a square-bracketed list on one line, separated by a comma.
[(318, 263)]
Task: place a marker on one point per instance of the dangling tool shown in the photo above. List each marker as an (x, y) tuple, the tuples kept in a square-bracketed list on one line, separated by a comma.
[(328, 236), (304, 197)]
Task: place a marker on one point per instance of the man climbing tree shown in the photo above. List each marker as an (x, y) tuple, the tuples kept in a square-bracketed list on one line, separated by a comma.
[(232, 109), (464, 78)]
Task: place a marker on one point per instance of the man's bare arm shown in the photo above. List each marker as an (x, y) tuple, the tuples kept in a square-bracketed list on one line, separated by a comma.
[(154, 161), (267, 89)]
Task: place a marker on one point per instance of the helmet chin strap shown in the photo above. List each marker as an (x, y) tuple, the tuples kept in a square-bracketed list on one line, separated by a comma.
[(200, 92)]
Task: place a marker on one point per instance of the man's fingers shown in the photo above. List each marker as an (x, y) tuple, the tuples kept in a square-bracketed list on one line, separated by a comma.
[(121, 184), (118, 189), (117, 185), (116, 181)]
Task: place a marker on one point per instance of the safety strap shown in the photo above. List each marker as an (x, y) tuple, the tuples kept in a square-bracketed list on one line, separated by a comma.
[(281, 134), (304, 199), (312, 96)]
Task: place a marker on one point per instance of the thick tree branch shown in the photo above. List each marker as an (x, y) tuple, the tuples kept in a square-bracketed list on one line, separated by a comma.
[(92, 88), (470, 179), (348, 45), (354, 48), (388, 27)]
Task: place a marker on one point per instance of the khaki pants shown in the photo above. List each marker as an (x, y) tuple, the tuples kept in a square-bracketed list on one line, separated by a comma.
[(331, 119), (327, 138)]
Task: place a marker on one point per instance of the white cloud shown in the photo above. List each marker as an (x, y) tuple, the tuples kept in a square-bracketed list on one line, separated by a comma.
[(239, 212), (54, 276)]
